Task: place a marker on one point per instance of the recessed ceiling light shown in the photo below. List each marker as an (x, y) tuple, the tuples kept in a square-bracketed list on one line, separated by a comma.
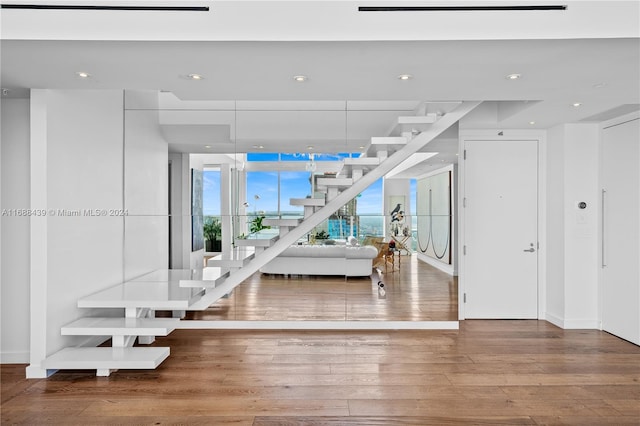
[(195, 77), (576, 104), (532, 122), (405, 77), (361, 147), (207, 146), (83, 74), (300, 78), (310, 147), (514, 76)]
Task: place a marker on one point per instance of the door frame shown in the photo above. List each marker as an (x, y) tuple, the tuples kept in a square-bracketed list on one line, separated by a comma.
[(497, 134)]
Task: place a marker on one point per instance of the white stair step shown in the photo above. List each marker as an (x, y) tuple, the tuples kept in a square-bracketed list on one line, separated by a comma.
[(411, 123), (154, 295), (257, 240), (211, 276), (418, 119), (290, 222), (106, 358), (335, 182), (236, 258), (316, 202), (362, 161), (120, 327), (171, 275), (388, 140)]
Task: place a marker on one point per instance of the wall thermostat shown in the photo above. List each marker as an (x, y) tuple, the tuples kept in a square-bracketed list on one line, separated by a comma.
[(582, 205)]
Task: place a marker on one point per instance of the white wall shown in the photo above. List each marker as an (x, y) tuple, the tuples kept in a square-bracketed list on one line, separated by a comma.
[(146, 186), (15, 193), (84, 158), (80, 133), (572, 272), (452, 268)]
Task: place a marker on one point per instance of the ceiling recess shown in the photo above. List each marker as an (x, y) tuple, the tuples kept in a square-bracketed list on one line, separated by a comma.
[(95, 7), (458, 8)]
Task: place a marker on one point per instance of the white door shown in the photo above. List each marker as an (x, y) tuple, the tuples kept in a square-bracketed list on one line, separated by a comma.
[(500, 248), (621, 230)]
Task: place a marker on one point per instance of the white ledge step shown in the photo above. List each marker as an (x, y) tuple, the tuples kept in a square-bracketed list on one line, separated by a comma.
[(236, 258), (171, 275), (89, 326), (318, 202), (362, 161), (256, 240), (388, 140), (418, 119), (155, 295), (213, 275), (105, 358), (282, 222), (335, 181)]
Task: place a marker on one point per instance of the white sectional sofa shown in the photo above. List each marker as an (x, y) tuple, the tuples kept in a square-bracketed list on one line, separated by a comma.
[(348, 260)]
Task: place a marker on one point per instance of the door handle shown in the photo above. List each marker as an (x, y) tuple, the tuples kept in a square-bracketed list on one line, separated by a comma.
[(531, 250)]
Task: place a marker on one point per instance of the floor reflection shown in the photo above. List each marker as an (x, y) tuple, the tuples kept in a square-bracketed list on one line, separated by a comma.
[(415, 292)]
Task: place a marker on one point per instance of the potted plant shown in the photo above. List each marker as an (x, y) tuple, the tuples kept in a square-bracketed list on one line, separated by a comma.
[(322, 235), (256, 224), (212, 232)]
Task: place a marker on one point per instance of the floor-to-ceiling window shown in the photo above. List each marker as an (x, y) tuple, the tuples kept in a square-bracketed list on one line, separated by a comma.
[(211, 204)]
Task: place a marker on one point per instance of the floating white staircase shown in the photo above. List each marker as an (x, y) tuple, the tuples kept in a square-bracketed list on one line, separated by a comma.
[(180, 290), (407, 136)]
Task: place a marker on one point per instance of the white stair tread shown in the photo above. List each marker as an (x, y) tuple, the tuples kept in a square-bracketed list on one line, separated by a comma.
[(143, 294), (283, 222), (307, 202), (257, 240), (215, 276), (335, 181), (236, 258), (120, 327), (418, 119), (171, 275), (388, 140), (362, 161), (106, 358)]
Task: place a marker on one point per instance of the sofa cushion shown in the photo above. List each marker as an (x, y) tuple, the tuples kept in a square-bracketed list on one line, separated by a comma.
[(313, 251), (361, 252)]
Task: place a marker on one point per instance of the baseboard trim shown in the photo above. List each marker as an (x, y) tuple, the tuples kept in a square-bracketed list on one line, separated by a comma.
[(572, 324), (318, 325), (555, 320), (436, 264)]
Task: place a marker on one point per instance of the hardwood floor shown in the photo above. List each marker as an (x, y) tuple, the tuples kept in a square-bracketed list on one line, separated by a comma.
[(487, 372), (416, 292)]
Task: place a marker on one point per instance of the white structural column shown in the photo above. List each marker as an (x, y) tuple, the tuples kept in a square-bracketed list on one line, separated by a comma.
[(38, 237)]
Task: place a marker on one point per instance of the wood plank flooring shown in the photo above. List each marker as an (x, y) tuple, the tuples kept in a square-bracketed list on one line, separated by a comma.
[(417, 292), (487, 372)]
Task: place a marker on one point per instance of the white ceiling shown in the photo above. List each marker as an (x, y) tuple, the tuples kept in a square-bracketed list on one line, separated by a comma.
[(249, 98)]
